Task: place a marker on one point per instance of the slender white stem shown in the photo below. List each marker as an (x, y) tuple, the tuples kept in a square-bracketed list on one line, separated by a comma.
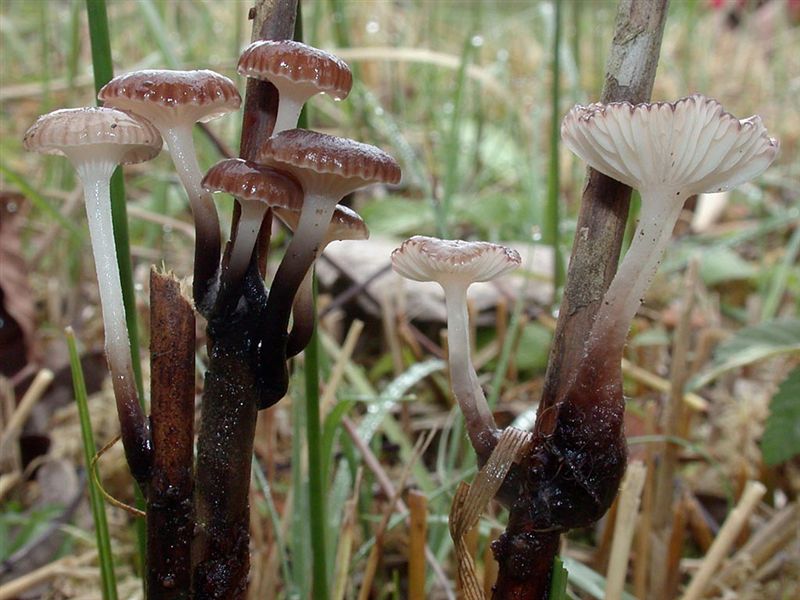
[(95, 177), (463, 379), (246, 237), (181, 149), (660, 212), (288, 112)]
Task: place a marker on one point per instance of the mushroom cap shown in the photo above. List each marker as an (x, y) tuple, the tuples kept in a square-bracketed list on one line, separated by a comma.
[(346, 224), (69, 128), (250, 181), (422, 258), (327, 165), (166, 97), (296, 69), (691, 145)]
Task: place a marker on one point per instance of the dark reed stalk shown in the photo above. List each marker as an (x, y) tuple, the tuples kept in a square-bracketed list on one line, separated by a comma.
[(170, 523)]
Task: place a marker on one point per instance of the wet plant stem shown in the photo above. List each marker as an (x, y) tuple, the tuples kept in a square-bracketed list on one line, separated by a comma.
[(170, 524)]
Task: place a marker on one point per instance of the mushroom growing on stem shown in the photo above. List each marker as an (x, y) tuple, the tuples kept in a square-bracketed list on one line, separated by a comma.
[(345, 225), (257, 188), (328, 168), (96, 141), (455, 265), (174, 101), (668, 151), (298, 72)]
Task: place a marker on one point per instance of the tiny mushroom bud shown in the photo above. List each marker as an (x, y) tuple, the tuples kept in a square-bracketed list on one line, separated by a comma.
[(667, 151), (328, 168), (455, 264), (298, 72), (174, 101), (257, 188), (345, 224), (96, 141)]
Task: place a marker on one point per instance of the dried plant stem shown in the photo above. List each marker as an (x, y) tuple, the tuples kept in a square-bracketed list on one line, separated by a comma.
[(627, 510), (417, 536), (170, 524), (730, 530)]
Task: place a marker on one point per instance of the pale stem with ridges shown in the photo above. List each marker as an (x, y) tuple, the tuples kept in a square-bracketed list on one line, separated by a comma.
[(659, 214), (467, 391), (246, 236), (288, 113)]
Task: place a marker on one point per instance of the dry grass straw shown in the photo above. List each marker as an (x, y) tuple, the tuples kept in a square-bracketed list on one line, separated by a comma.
[(63, 566), (344, 549), (627, 510), (417, 537), (733, 526), (9, 458), (471, 500)]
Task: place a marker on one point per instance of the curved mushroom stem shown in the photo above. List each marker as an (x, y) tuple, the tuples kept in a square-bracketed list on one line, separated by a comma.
[(660, 212), (303, 313), (288, 113), (481, 426), (135, 434), (206, 222), (246, 237), (300, 255)]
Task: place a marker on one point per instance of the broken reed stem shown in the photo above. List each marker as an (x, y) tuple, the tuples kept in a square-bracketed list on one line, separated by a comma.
[(753, 492), (170, 525), (630, 73), (417, 539), (641, 556), (677, 537), (627, 511)]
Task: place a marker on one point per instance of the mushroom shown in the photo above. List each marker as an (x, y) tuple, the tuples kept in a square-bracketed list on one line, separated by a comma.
[(298, 72), (345, 224), (669, 152), (174, 101), (328, 168), (257, 188), (455, 264), (96, 141)]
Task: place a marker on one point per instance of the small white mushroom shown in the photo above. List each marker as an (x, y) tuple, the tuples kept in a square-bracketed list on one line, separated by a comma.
[(298, 72), (669, 152), (455, 265), (96, 141)]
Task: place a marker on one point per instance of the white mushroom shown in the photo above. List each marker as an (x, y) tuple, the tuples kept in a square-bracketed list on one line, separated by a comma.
[(667, 151), (455, 264), (96, 141)]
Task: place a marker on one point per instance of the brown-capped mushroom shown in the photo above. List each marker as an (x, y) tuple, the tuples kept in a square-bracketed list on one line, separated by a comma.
[(174, 101), (298, 72)]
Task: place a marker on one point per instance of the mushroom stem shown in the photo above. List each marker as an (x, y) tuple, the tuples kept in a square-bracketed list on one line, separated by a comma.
[(288, 113), (247, 231), (303, 313), (95, 175), (660, 212), (300, 255), (206, 222), (481, 426)]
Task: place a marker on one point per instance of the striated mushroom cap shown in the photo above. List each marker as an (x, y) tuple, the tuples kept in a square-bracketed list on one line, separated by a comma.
[(63, 130), (253, 182), (166, 97), (297, 69), (422, 258), (346, 224), (327, 165), (691, 145)]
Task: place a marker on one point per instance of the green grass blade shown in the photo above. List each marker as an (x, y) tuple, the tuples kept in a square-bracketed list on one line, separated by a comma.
[(777, 284), (107, 577), (274, 518), (558, 581)]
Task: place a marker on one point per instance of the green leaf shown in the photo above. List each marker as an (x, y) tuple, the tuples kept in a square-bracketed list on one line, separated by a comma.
[(558, 582), (396, 216), (721, 264), (781, 439), (534, 347), (749, 345), (587, 579)]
